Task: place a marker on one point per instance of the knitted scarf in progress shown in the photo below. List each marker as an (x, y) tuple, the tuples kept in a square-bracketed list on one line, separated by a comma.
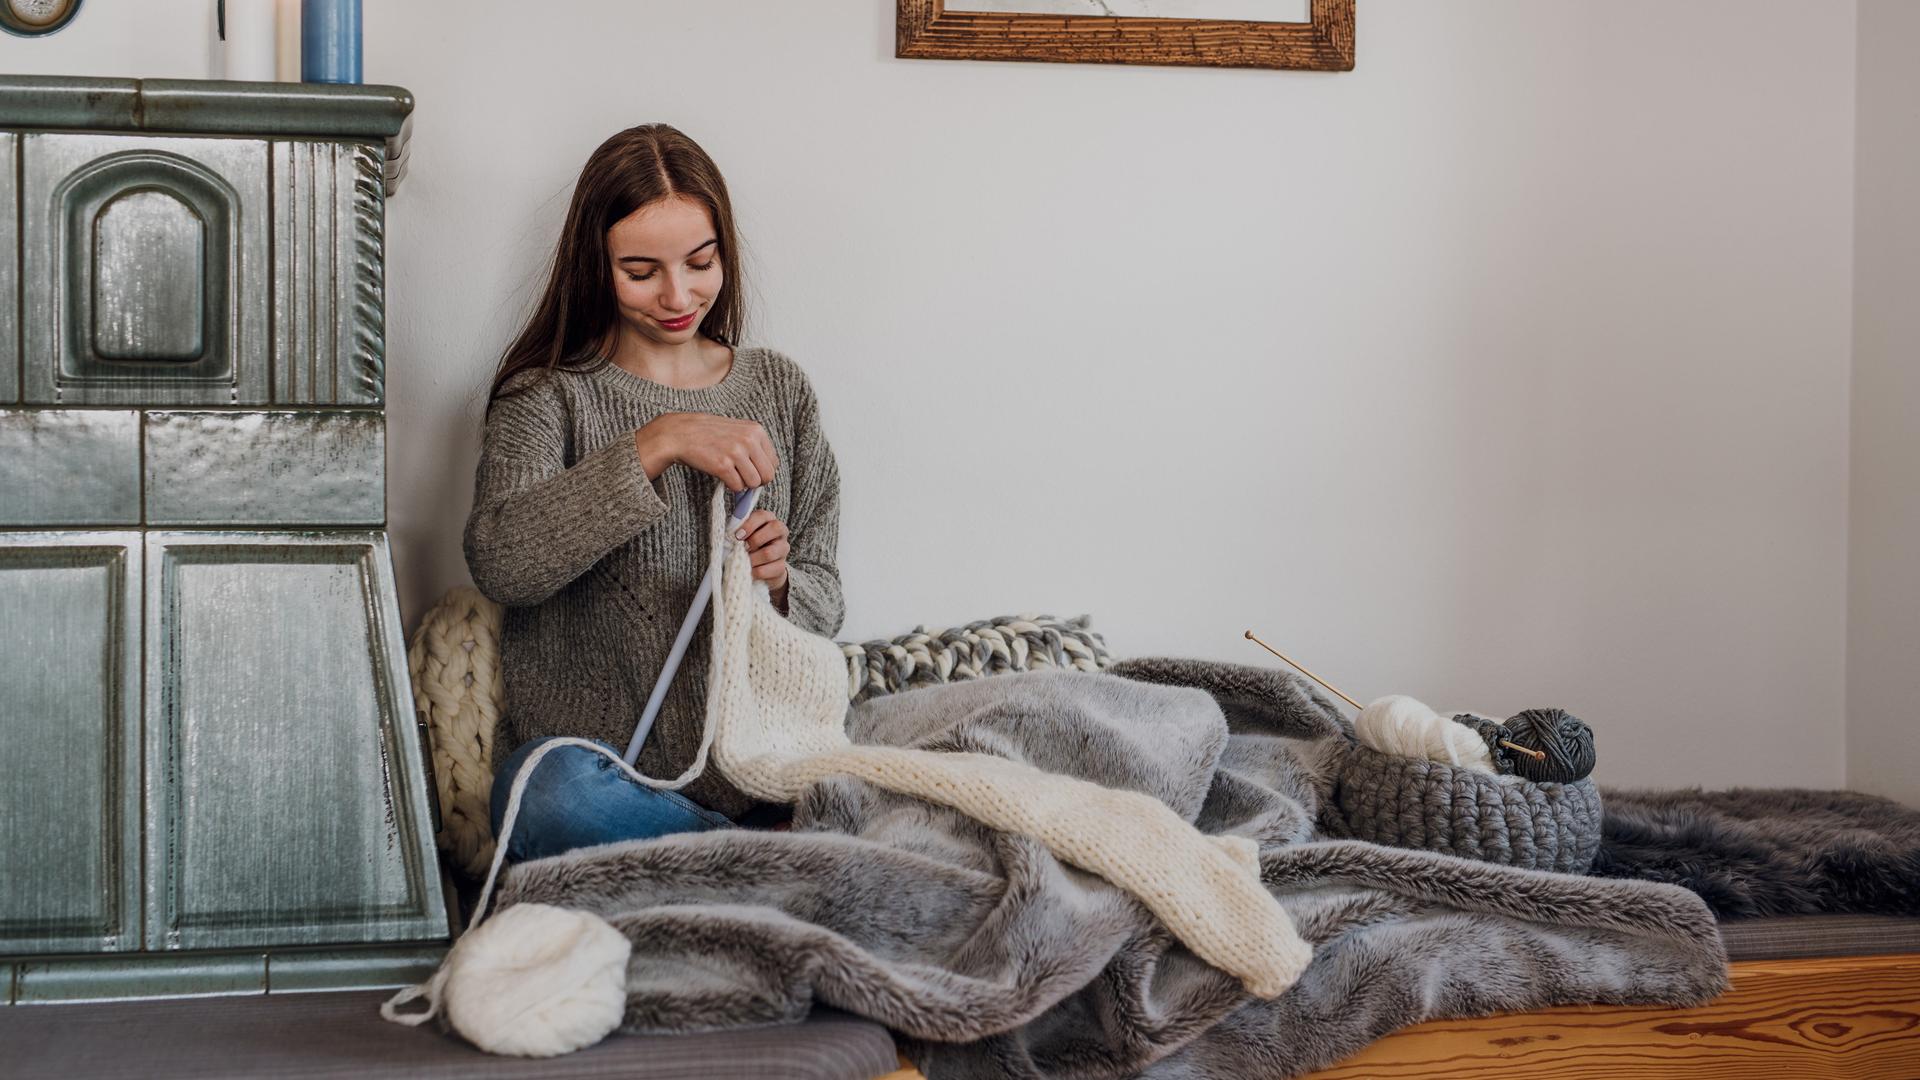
[(776, 724)]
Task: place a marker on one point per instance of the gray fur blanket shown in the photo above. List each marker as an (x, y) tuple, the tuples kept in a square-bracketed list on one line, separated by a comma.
[(993, 959)]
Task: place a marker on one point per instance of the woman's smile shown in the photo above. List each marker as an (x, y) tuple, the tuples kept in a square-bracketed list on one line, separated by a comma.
[(680, 323)]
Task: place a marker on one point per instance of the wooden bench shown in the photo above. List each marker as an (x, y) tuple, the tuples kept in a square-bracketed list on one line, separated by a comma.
[(1843, 1018)]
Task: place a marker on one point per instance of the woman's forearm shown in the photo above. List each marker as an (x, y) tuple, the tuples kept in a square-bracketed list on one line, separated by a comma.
[(528, 538)]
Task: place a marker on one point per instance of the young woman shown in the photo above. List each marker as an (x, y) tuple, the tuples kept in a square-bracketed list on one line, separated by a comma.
[(619, 406)]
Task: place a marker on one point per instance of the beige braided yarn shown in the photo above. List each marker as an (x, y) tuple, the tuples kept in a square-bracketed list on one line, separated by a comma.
[(454, 659), (987, 647), (457, 689)]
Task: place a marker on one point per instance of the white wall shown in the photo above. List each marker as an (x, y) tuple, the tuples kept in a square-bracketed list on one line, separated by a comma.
[(1883, 624), (1508, 369)]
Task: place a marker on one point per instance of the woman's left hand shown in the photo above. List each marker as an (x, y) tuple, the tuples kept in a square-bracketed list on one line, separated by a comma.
[(766, 539)]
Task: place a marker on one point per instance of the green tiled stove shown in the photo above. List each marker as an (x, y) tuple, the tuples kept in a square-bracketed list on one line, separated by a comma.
[(210, 776)]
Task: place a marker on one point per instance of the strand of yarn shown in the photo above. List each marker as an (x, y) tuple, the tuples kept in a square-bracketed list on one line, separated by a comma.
[(534, 980), (1404, 727), (1564, 738), (984, 647), (454, 661)]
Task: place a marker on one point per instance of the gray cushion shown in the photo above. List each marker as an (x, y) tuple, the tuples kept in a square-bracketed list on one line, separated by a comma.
[(1799, 937), (342, 1035)]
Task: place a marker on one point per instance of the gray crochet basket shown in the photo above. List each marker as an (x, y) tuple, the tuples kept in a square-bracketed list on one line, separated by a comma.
[(1432, 806)]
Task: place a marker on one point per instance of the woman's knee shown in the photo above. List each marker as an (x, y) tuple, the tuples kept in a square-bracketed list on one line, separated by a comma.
[(557, 768), (576, 796)]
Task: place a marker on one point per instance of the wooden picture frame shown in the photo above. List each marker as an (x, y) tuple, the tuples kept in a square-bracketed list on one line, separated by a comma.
[(926, 29)]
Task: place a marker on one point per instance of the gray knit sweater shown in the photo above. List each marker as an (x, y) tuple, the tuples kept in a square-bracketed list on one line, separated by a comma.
[(597, 566)]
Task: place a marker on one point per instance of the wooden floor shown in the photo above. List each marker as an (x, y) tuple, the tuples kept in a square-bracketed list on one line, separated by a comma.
[(1855, 1018)]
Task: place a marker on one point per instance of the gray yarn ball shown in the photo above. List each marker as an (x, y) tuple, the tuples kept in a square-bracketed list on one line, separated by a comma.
[(1563, 737)]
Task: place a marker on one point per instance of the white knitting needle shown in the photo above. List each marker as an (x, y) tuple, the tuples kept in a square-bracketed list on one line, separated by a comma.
[(742, 506), (1537, 755)]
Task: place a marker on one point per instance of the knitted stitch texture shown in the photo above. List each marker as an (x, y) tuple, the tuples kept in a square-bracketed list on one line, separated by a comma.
[(1430, 805), (777, 706), (596, 565)]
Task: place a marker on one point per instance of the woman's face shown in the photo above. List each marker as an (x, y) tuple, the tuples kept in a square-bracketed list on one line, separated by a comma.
[(666, 269)]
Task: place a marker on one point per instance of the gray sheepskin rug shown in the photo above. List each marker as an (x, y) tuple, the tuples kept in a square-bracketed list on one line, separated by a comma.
[(1756, 852)]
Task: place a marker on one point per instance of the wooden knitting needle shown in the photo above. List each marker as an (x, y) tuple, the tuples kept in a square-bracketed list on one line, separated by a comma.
[(1292, 663), (1537, 755)]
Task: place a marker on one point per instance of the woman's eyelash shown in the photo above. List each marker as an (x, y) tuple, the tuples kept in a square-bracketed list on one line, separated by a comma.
[(708, 265)]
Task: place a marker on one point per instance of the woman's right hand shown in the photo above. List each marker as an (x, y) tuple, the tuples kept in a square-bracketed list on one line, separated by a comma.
[(738, 453)]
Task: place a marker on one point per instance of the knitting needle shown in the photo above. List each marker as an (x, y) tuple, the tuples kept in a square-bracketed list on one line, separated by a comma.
[(1537, 755), (1296, 666), (742, 505)]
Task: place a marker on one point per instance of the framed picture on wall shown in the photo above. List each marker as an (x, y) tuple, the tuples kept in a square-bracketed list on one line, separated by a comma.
[(1310, 35)]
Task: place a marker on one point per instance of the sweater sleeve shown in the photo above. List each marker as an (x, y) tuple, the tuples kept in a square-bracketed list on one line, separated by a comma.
[(814, 600), (537, 523)]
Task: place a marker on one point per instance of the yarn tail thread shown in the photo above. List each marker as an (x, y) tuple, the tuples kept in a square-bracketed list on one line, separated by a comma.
[(552, 982)]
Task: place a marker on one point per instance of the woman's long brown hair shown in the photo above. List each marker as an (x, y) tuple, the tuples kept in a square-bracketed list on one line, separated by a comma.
[(569, 326)]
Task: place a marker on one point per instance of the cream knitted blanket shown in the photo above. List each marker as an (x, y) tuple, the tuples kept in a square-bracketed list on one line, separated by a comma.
[(776, 714)]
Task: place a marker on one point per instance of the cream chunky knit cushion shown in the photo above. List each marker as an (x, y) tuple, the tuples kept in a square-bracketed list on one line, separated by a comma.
[(776, 715), (454, 662)]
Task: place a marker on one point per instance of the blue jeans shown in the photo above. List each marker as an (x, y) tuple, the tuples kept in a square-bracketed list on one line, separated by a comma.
[(577, 798)]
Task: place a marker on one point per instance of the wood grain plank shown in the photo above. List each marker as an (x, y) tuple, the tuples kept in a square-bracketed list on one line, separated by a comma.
[(1842, 1018), (1839, 1018)]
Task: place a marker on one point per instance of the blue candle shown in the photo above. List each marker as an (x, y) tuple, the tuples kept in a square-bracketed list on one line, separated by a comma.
[(330, 41)]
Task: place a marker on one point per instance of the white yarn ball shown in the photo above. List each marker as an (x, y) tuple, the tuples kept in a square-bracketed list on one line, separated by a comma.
[(536, 980), (1395, 724), (1402, 726)]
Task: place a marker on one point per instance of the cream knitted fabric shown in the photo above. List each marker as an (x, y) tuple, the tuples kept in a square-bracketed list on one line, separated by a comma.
[(776, 709)]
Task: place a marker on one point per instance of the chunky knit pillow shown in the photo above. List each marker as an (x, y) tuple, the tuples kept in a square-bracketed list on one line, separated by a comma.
[(988, 647), (1430, 805)]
